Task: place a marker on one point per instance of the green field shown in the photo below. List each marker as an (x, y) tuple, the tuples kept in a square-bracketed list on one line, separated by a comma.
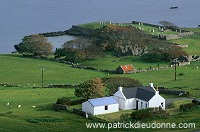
[(193, 43), (16, 69), (111, 62), (17, 119)]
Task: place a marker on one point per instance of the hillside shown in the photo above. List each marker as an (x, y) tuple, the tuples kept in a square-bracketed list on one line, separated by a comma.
[(36, 113), (18, 119), (19, 70)]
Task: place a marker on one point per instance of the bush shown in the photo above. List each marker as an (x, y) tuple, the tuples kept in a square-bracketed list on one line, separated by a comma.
[(76, 102), (64, 101), (44, 119), (180, 74), (93, 88), (149, 113), (186, 107)]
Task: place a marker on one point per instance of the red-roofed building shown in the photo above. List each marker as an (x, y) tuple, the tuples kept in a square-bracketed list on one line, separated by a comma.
[(125, 69)]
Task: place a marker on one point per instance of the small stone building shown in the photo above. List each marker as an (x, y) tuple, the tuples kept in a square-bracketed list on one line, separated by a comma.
[(125, 69)]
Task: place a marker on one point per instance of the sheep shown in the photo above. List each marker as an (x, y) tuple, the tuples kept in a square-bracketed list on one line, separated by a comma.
[(8, 103), (180, 94), (33, 106), (19, 106)]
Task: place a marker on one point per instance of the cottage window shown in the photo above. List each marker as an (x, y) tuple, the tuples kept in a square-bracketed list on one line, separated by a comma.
[(146, 105), (106, 107), (162, 104), (141, 104)]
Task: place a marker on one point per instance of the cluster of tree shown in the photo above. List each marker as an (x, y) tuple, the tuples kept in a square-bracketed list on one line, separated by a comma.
[(79, 49), (168, 25), (112, 36), (163, 52), (108, 38), (36, 45), (100, 87)]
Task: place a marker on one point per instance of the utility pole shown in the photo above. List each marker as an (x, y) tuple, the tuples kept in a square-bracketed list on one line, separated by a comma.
[(42, 77), (175, 72), (175, 69)]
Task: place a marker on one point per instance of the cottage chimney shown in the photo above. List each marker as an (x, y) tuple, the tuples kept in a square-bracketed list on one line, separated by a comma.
[(157, 92), (120, 88), (151, 84)]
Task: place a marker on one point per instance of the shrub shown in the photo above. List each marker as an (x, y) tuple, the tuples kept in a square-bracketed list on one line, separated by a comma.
[(180, 74), (93, 88), (44, 119), (64, 101), (149, 113), (76, 102), (186, 107)]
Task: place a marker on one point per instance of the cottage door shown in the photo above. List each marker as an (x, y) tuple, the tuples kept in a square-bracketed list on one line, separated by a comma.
[(137, 102)]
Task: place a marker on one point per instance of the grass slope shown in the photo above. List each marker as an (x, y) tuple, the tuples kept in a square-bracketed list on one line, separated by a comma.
[(16, 69), (15, 119), (112, 63)]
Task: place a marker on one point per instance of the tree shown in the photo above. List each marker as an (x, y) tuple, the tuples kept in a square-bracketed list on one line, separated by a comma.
[(90, 89), (175, 51), (112, 83), (164, 51), (168, 24), (79, 49), (114, 38), (35, 44)]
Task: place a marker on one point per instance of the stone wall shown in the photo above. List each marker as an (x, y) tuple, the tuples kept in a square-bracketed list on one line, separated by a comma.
[(168, 36), (180, 32), (131, 50), (81, 31), (147, 24), (74, 31), (173, 92), (59, 107)]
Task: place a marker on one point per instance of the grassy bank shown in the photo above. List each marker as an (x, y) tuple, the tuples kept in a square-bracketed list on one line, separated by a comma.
[(20, 70), (19, 119), (16, 69), (112, 62)]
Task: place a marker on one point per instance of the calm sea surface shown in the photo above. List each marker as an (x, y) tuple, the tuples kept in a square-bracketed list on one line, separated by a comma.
[(19, 18)]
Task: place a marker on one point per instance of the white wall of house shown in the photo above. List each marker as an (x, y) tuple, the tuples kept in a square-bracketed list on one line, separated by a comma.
[(121, 102), (87, 107), (130, 104), (101, 109), (157, 101), (141, 104)]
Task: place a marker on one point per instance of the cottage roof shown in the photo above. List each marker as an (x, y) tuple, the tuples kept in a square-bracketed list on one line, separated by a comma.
[(127, 68), (102, 101), (143, 93)]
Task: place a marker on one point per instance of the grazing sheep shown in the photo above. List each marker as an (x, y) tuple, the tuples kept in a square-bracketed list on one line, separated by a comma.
[(8, 103), (180, 94), (19, 106), (33, 106)]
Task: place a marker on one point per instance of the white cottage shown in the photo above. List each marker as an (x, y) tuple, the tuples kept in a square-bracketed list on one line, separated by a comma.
[(100, 106), (139, 98)]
